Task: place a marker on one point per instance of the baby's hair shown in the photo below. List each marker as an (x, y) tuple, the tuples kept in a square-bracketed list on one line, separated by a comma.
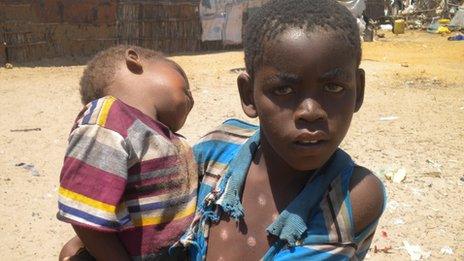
[(278, 15), (99, 72)]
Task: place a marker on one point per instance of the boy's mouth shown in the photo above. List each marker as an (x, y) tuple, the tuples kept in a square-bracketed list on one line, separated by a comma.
[(306, 142), (311, 142), (307, 138)]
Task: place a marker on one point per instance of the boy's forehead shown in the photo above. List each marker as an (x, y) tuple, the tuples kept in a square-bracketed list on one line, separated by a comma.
[(298, 48)]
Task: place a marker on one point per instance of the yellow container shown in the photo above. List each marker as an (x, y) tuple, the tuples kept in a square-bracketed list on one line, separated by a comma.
[(398, 26), (444, 21), (443, 30)]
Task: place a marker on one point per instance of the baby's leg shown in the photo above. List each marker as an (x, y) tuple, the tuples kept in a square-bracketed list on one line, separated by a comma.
[(74, 250)]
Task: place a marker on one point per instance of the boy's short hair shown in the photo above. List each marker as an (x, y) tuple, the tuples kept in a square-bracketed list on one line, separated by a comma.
[(278, 15), (99, 72)]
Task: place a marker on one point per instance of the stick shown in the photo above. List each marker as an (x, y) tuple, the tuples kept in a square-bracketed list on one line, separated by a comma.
[(26, 130)]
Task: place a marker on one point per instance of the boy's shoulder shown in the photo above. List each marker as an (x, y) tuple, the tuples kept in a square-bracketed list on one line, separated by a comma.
[(107, 112), (235, 127), (215, 150), (231, 133), (367, 196)]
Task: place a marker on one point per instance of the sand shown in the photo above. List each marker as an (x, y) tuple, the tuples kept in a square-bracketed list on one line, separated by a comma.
[(415, 80)]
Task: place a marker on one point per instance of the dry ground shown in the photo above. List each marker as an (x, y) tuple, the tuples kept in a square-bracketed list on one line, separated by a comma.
[(415, 77)]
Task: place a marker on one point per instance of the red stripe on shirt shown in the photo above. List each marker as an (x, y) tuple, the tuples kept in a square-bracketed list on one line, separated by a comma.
[(91, 182)]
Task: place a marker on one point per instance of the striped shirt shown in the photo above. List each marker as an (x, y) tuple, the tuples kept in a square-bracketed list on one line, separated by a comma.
[(316, 225), (126, 173)]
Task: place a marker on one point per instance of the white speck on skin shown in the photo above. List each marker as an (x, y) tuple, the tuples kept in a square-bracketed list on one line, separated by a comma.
[(251, 241), (261, 200), (224, 235)]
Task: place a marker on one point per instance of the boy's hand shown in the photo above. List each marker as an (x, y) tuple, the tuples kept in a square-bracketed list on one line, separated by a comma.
[(102, 246)]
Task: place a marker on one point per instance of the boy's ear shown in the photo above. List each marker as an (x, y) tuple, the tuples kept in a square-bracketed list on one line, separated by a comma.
[(360, 83), (133, 61), (245, 88)]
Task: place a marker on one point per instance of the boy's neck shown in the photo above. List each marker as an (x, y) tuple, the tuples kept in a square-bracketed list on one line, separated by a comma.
[(280, 174)]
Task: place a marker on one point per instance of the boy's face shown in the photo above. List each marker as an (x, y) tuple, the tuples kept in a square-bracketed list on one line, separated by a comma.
[(305, 94), (170, 93)]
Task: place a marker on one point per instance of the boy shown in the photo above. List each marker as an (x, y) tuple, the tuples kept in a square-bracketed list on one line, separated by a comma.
[(283, 190), (128, 183)]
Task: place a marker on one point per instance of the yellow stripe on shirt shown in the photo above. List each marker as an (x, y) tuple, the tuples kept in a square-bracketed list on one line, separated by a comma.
[(148, 221), (86, 200), (105, 111)]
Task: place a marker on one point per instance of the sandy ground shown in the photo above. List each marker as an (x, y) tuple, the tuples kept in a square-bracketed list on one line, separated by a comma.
[(417, 78)]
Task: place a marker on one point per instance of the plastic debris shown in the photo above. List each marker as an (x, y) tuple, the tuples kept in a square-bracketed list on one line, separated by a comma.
[(446, 250), (398, 221), (386, 27), (415, 251), (8, 66), (443, 30), (389, 118), (458, 37), (30, 167), (396, 176)]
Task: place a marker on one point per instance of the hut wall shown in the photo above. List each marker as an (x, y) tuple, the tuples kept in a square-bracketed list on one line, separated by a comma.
[(36, 29), (39, 29), (168, 26)]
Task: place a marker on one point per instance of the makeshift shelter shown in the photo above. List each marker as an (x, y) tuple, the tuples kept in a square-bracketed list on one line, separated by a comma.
[(222, 20), (36, 29)]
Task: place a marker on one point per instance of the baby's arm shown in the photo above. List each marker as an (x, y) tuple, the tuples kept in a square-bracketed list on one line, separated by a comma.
[(92, 184), (101, 245), (367, 201)]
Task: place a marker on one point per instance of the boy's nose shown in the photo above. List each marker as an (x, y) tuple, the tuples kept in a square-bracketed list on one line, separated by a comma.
[(310, 110)]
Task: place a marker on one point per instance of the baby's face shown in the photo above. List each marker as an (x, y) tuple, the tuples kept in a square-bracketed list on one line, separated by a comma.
[(170, 92), (305, 94)]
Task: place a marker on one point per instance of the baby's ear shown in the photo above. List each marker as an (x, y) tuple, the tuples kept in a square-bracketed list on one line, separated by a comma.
[(245, 88), (360, 83), (133, 61)]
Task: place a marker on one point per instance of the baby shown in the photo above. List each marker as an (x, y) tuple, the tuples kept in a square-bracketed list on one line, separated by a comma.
[(128, 184)]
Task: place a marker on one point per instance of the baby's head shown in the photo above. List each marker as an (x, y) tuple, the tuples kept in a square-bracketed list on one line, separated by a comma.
[(141, 78), (303, 79)]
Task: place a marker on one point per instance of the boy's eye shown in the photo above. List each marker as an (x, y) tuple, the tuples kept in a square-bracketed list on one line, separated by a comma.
[(283, 90), (333, 88)]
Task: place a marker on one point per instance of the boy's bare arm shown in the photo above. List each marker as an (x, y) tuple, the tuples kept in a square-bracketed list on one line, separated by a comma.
[(102, 246), (367, 198)]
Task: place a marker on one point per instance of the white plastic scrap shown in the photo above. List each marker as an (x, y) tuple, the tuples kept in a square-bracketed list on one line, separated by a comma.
[(398, 221), (399, 176), (396, 176), (386, 27), (446, 250), (389, 118), (415, 251)]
